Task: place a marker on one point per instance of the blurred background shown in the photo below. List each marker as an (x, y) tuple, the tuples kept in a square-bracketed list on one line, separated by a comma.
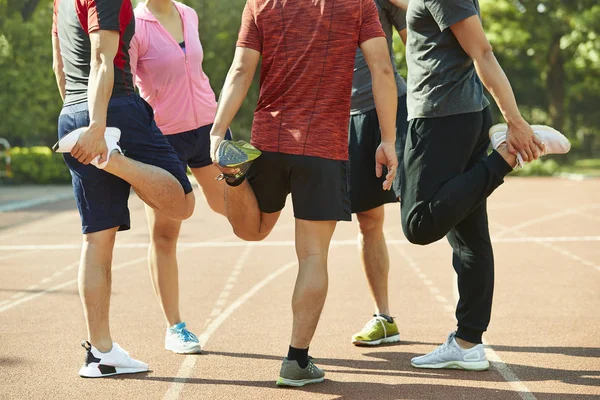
[(550, 51)]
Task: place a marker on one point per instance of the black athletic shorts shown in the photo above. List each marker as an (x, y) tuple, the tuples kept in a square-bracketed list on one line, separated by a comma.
[(319, 186), (364, 136)]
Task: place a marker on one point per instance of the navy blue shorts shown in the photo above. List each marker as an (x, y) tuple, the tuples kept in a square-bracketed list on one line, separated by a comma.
[(193, 147), (102, 197)]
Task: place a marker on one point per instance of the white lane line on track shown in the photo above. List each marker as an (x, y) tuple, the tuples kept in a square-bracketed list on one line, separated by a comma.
[(20, 205), (497, 362), (552, 246), (33, 296), (290, 243), (21, 254), (504, 370), (545, 218), (190, 361)]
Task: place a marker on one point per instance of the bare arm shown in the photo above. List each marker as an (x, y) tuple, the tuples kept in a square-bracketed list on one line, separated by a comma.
[(385, 94), (403, 4), (104, 45), (238, 81), (57, 66), (402, 34), (520, 137)]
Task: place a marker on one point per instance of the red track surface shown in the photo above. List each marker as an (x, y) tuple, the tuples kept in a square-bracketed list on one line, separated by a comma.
[(545, 325)]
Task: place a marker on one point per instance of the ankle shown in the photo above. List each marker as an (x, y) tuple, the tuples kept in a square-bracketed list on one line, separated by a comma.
[(386, 314), (299, 355), (463, 344), (103, 346), (510, 158)]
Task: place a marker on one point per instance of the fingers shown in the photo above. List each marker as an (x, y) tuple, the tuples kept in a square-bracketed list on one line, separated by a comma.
[(225, 170), (378, 169)]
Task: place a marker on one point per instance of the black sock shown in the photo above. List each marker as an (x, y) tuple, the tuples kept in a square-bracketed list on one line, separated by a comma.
[(300, 355), (387, 318)]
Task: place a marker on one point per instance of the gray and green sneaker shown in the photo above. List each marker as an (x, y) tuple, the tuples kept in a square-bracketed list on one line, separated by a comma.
[(238, 154), (292, 375), (232, 154)]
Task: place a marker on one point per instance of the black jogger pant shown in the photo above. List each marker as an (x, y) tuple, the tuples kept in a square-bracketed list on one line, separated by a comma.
[(446, 180)]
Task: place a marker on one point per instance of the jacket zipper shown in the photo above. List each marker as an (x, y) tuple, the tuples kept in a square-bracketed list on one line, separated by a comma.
[(187, 67)]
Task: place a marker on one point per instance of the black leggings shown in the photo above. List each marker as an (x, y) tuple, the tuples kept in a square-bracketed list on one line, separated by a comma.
[(446, 180)]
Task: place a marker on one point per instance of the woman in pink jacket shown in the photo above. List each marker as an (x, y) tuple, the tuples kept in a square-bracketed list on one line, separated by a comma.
[(166, 61)]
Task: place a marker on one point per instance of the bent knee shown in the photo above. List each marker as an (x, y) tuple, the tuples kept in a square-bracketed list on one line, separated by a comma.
[(370, 221), (249, 236), (418, 234)]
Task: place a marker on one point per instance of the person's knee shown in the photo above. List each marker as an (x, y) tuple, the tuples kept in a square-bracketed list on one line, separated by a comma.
[(190, 205), (249, 236), (164, 236), (417, 233), (371, 222)]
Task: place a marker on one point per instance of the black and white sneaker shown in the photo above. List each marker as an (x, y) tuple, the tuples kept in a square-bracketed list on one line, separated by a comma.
[(116, 361)]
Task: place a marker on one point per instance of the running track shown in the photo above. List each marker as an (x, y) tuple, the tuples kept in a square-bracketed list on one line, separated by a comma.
[(544, 337)]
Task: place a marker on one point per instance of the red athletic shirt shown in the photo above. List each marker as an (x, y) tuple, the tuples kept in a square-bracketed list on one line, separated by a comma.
[(308, 50)]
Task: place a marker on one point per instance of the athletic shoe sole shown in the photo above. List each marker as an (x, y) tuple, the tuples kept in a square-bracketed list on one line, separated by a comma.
[(469, 366), (107, 370), (297, 383), (194, 350), (389, 339)]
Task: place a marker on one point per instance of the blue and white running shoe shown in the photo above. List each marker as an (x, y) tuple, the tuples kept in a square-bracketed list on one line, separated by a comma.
[(181, 341)]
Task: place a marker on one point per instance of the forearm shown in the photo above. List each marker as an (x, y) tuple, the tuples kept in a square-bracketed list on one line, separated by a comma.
[(60, 80), (403, 4), (494, 79), (57, 67), (385, 94), (232, 96), (100, 86)]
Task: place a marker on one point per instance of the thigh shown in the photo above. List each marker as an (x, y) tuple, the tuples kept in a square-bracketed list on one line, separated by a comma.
[(436, 150), (141, 140), (268, 177), (366, 189), (101, 197), (319, 188)]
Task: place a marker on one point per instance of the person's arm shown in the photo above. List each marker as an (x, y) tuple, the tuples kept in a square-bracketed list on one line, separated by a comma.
[(385, 94), (519, 138), (104, 45), (238, 81), (403, 4), (57, 67), (402, 34)]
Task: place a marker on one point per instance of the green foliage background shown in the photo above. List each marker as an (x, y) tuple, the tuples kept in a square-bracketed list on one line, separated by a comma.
[(549, 49)]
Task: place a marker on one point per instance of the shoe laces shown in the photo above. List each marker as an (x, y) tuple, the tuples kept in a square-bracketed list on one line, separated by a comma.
[(186, 335), (376, 320)]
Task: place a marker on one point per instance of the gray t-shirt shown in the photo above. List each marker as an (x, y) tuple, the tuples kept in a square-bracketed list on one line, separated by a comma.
[(441, 76), (362, 88)]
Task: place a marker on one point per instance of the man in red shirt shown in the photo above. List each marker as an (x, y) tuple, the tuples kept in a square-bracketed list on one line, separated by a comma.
[(301, 127)]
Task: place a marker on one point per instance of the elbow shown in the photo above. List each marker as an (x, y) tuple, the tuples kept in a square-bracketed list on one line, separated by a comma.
[(484, 54), (241, 73), (383, 69)]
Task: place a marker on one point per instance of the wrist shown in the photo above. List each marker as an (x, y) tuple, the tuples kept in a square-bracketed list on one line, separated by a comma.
[(514, 120)]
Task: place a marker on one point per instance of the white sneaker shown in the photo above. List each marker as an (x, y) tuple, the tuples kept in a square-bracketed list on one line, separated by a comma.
[(181, 341), (450, 355), (554, 141), (111, 135), (116, 361)]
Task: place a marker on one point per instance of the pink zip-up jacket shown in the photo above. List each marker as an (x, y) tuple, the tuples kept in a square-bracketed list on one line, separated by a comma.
[(168, 78)]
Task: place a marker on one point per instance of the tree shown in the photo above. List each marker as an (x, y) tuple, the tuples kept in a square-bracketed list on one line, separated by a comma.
[(550, 50)]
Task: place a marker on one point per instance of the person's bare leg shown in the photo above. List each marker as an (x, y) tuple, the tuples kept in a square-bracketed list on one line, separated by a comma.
[(214, 190), (374, 256), (95, 285), (246, 219), (162, 260), (312, 248), (155, 186)]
